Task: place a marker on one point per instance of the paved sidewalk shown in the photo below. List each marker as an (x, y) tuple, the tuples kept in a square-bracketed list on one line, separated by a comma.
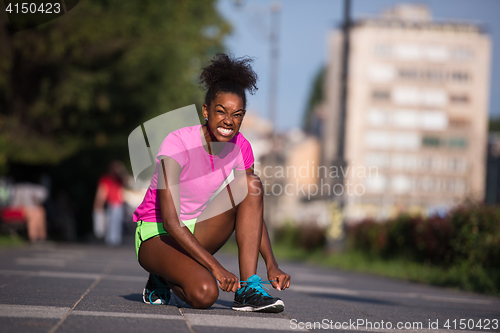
[(89, 288)]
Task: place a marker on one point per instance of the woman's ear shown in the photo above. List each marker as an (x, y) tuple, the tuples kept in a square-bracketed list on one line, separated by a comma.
[(204, 110)]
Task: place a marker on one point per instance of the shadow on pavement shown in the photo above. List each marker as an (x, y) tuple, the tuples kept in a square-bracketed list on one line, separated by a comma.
[(133, 297)]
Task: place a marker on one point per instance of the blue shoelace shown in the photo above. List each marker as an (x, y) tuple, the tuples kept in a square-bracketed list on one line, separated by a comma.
[(160, 290), (257, 285)]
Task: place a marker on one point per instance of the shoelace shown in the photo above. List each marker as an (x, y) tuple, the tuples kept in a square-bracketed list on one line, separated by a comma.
[(258, 286), (158, 294), (161, 290)]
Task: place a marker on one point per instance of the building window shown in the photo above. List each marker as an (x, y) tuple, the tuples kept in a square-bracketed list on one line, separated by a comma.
[(405, 119), (414, 96), (408, 51), (376, 184), (460, 76), (381, 95), (383, 50), (377, 117), (459, 122), (405, 73), (459, 98), (382, 73), (457, 142), (428, 184), (426, 163), (457, 165), (378, 160), (387, 140), (378, 139), (401, 184), (406, 96), (436, 53), (406, 140), (433, 120), (462, 54), (431, 141), (434, 97), (434, 75)]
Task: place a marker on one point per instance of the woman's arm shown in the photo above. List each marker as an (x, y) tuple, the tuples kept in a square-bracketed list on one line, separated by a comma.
[(170, 209), (280, 279)]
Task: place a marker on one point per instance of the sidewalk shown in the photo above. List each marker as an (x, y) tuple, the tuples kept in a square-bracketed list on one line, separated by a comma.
[(89, 288)]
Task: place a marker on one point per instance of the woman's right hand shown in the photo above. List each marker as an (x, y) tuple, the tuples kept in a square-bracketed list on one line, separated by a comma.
[(227, 280)]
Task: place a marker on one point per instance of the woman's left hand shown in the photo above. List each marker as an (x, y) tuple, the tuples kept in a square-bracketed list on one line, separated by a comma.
[(280, 280)]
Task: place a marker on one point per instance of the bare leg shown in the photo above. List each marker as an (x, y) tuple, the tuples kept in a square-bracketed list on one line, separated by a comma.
[(246, 218), (190, 281), (35, 222)]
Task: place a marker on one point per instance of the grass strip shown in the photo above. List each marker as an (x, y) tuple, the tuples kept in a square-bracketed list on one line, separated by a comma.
[(6, 241)]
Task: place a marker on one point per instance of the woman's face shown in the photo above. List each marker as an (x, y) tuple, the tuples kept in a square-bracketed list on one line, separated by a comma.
[(225, 115)]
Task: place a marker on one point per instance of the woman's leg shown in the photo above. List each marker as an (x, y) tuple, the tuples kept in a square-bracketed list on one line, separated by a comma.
[(189, 280), (245, 217), (192, 282), (36, 224), (114, 225)]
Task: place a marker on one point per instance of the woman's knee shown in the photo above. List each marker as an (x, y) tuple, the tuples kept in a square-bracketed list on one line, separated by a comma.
[(204, 294)]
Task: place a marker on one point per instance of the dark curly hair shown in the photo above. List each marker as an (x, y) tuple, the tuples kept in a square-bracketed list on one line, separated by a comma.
[(230, 75)]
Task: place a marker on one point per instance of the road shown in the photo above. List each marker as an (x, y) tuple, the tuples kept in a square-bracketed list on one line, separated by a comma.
[(92, 288)]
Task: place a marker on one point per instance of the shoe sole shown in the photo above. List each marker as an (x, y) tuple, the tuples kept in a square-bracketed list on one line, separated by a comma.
[(278, 306)]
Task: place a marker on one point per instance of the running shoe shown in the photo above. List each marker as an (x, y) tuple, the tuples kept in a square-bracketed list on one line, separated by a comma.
[(157, 291), (253, 297)]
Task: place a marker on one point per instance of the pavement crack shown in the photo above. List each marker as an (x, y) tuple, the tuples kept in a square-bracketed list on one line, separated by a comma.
[(187, 321), (96, 281), (74, 306)]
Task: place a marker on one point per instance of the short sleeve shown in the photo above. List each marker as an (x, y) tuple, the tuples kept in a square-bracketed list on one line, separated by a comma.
[(173, 147), (247, 159)]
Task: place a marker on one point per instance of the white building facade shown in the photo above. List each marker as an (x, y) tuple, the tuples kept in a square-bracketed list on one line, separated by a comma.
[(417, 112)]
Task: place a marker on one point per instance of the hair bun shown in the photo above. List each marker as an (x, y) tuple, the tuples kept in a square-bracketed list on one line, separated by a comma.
[(225, 67)]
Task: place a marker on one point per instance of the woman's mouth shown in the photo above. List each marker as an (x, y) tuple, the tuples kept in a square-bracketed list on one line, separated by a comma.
[(225, 131)]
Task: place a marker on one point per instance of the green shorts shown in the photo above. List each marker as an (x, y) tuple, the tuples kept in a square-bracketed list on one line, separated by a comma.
[(147, 230)]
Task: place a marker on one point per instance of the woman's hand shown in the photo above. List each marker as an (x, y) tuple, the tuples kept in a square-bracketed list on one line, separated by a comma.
[(281, 279), (227, 280)]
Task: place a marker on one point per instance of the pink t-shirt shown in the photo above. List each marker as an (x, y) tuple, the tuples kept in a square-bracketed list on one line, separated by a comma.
[(201, 173)]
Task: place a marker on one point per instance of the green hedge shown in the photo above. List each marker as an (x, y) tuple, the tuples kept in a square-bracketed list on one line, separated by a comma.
[(467, 241)]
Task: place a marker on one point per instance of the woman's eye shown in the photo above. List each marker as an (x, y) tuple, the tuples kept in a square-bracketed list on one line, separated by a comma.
[(220, 111)]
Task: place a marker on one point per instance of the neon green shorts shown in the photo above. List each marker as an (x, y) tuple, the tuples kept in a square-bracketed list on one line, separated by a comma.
[(147, 230)]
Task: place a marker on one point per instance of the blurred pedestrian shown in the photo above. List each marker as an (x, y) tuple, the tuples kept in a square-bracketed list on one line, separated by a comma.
[(108, 205), (28, 198)]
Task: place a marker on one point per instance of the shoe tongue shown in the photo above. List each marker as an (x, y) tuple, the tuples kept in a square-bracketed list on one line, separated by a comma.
[(254, 281)]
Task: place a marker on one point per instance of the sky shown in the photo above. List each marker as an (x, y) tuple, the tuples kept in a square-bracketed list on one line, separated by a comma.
[(304, 27)]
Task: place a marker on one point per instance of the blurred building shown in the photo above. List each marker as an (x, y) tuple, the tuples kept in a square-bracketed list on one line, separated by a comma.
[(416, 117)]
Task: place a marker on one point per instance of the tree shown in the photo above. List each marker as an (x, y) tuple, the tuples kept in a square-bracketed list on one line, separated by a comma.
[(494, 124), (315, 98), (87, 78)]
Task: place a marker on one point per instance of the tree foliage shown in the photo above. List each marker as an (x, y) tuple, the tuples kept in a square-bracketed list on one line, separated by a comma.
[(88, 78), (315, 98), (494, 124)]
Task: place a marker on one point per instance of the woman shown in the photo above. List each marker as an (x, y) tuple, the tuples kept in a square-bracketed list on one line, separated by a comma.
[(184, 219)]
